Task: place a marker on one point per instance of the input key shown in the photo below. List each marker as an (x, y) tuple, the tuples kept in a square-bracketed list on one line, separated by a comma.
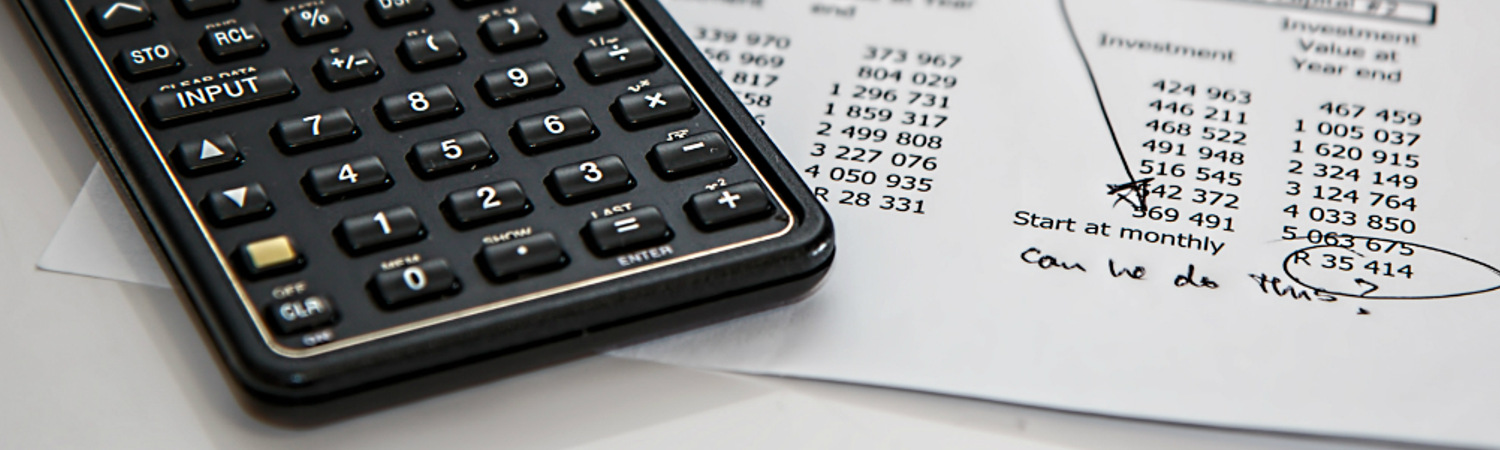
[(220, 96)]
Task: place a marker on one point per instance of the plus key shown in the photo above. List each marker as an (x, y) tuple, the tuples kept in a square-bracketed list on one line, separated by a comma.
[(729, 205)]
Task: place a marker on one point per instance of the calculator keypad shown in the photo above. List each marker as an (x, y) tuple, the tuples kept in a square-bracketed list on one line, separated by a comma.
[(367, 170)]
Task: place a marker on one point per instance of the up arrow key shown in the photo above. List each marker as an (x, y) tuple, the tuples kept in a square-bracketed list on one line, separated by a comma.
[(209, 150), (207, 154)]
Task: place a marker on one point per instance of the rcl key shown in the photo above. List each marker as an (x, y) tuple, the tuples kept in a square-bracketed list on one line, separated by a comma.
[(234, 42)]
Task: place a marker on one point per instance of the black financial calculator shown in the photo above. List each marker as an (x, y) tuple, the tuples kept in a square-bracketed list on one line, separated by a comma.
[(355, 192)]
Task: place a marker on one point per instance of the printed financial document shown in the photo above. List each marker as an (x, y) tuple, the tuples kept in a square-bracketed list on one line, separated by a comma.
[(1261, 214), (1255, 214)]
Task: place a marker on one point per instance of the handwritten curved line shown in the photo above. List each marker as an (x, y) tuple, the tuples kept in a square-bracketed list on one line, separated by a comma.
[(1287, 270), (1094, 83)]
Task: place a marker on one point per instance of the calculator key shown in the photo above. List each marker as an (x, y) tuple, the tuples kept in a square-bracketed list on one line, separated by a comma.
[(468, 3), (419, 106), (221, 96), (207, 154), (390, 12), (728, 205), (316, 23), (552, 129), (650, 106), (238, 204), (346, 69), (314, 130), (430, 50), (302, 314), (380, 229), (425, 280), (531, 254), (584, 15), (602, 63), (269, 255), (150, 60), (345, 179), (530, 80), (459, 152), (122, 15), (511, 31), (194, 8), (634, 229), (588, 179), (694, 154), (234, 42), (487, 203)]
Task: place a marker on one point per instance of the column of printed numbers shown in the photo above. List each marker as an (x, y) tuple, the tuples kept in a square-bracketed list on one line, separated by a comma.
[(879, 143), (1353, 169), (1194, 151), (749, 61)]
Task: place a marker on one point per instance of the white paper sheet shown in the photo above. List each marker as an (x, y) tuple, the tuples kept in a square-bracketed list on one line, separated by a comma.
[(955, 300), (99, 239), (945, 301)]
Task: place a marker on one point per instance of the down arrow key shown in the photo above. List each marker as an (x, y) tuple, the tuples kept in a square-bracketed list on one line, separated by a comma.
[(237, 204)]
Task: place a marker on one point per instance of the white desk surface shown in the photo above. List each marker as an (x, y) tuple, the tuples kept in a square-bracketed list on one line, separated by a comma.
[(92, 363)]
